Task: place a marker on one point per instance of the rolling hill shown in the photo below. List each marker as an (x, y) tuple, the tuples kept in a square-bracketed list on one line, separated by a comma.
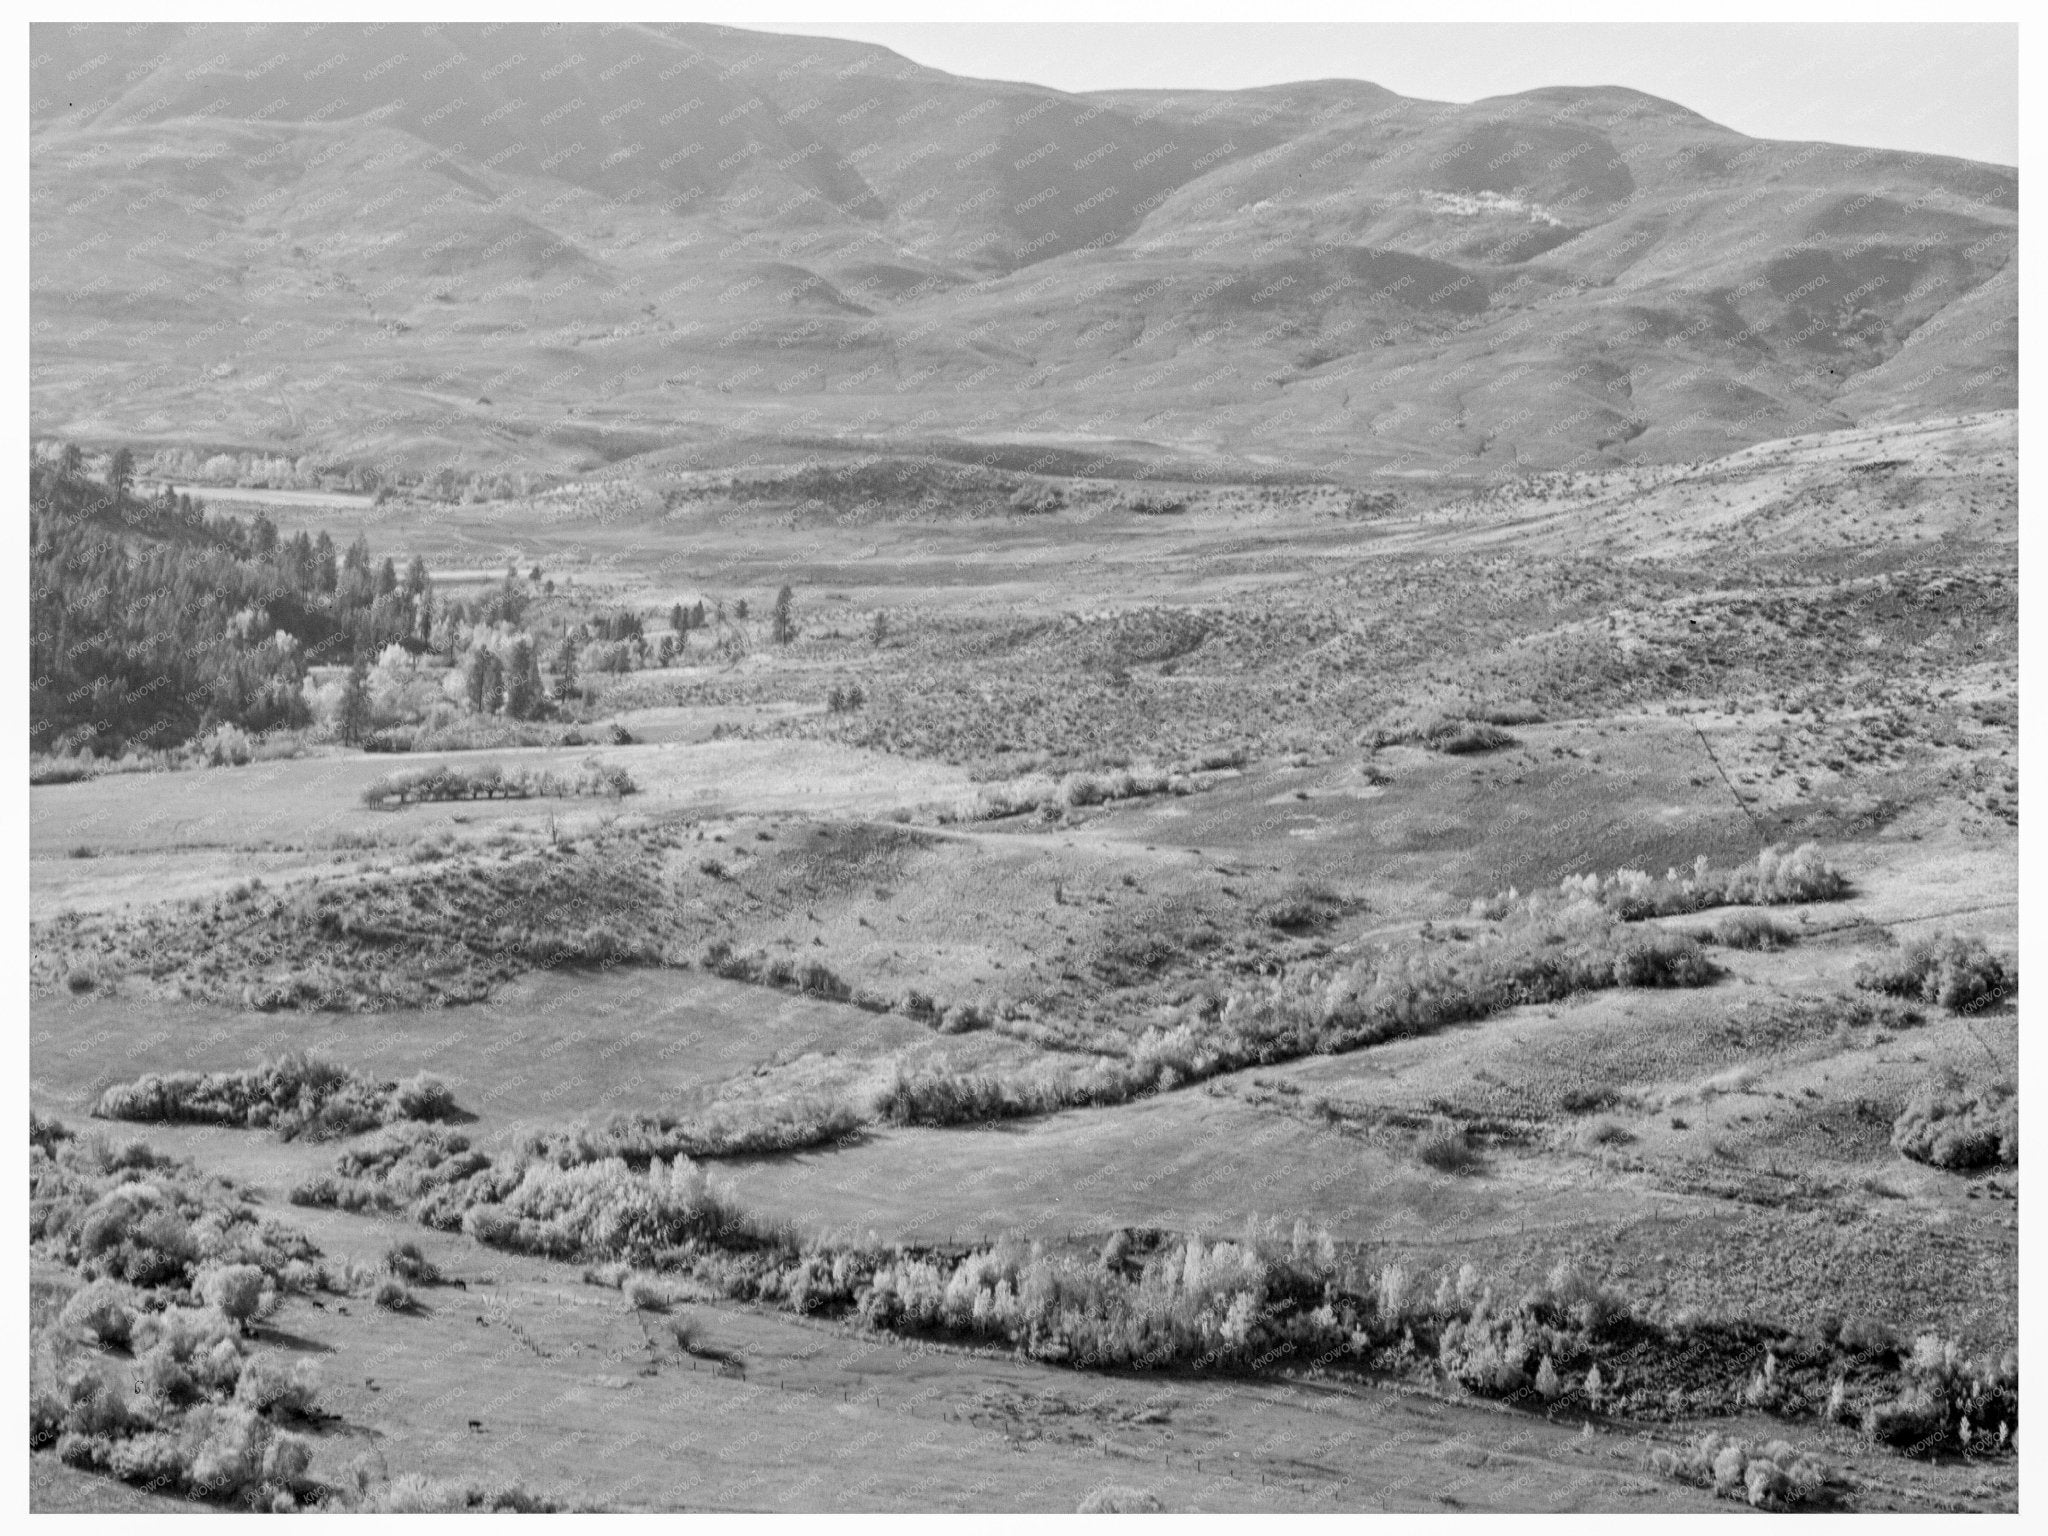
[(565, 247)]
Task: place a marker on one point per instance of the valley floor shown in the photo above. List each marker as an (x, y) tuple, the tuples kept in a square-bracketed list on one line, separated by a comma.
[(808, 908)]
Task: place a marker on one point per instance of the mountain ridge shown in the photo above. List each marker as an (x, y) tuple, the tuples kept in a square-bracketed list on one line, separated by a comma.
[(279, 236)]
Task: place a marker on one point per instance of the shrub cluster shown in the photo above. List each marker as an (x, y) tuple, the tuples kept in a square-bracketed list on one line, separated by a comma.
[(52, 769), (1047, 795), (407, 1263), (939, 1096), (47, 1134), (1445, 1147), (1774, 1476), (176, 1268), (598, 943), (1151, 501), (1509, 1349), (393, 1295), (1037, 497), (1115, 1499), (445, 731), (812, 978), (725, 1130), (605, 1210), (1958, 1128), (549, 1197), (1750, 930), (1774, 878), (1465, 738), (1947, 1401), (489, 781), (1187, 1301), (430, 1173), (207, 1419), (102, 1310), (1961, 974), (564, 1194), (1303, 905), (414, 1493), (219, 1450), (296, 1095), (127, 1214), (954, 1019)]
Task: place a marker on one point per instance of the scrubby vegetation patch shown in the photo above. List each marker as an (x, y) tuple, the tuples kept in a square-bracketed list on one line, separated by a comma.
[(1962, 1129), (1162, 1301), (1322, 1007), (176, 1268), (490, 781), (295, 1095), (1776, 877), (1957, 972), (1773, 1476), (722, 1131)]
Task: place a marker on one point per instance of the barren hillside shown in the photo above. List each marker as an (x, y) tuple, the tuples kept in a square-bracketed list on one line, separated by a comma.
[(561, 247)]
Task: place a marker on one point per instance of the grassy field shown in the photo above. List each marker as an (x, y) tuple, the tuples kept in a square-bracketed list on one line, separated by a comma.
[(805, 907)]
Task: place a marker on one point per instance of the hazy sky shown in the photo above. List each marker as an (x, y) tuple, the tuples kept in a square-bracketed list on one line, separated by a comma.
[(1946, 89)]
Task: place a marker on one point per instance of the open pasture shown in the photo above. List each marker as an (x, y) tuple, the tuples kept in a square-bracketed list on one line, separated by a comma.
[(1090, 818)]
